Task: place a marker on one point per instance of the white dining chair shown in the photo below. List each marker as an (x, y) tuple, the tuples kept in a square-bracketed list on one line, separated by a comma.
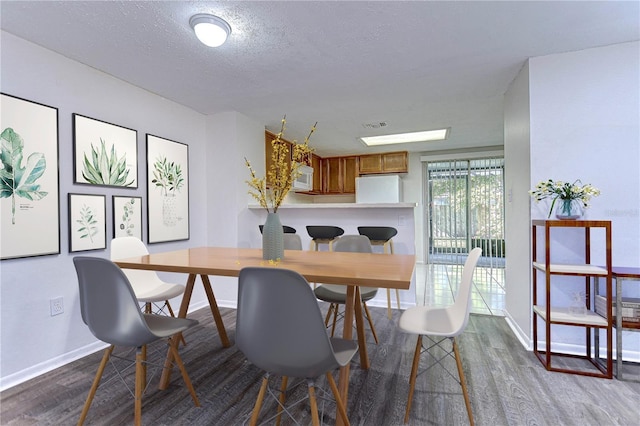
[(445, 324)]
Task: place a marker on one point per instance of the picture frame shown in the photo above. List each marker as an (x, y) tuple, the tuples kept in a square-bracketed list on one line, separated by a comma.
[(167, 190), (127, 216), (30, 180), (104, 154), (87, 222)]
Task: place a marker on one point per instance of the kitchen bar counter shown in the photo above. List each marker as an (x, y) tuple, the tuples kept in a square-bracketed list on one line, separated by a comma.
[(348, 216)]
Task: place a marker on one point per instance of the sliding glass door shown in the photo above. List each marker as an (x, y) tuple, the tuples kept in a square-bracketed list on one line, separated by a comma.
[(466, 210)]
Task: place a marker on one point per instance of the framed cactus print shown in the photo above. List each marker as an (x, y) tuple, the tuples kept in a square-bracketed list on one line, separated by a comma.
[(29, 180), (87, 222), (127, 217), (104, 154), (167, 190)]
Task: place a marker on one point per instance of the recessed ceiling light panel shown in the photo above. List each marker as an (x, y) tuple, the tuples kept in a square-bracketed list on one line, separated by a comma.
[(425, 136)]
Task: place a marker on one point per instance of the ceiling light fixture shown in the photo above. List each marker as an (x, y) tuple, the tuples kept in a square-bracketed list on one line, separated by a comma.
[(426, 136), (210, 30)]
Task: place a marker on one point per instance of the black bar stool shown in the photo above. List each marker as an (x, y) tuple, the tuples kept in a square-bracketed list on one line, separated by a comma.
[(285, 228), (323, 235), (382, 236)]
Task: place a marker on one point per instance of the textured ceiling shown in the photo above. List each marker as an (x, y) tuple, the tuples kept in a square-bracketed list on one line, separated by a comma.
[(415, 65)]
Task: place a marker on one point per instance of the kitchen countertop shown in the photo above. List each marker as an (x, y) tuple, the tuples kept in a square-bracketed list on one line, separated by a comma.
[(341, 206)]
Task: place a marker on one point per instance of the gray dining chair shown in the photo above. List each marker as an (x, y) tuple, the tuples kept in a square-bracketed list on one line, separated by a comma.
[(279, 328), (110, 309), (292, 242), (336, 295)]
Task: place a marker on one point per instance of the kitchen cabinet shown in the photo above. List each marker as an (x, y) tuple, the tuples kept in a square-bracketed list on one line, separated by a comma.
[(339, 175), (316, 163), (388, 162), (581, 314)]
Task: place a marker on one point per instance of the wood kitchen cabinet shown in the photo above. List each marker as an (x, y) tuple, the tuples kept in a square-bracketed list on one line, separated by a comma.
[(339, 175), (388, 162), (316, 163)]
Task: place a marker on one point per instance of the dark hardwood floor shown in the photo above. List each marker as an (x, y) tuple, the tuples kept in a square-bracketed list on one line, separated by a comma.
[(508, 386)]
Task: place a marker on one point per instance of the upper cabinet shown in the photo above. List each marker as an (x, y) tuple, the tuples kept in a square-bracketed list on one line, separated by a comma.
[(388, 162), (316, 163), (339, 175)]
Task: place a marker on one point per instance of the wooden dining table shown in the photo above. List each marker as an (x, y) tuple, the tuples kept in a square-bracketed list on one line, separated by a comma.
[(350, 269)]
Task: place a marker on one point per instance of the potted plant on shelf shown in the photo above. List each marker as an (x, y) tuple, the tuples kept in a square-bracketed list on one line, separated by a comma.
[(574, 197), (281, 175)]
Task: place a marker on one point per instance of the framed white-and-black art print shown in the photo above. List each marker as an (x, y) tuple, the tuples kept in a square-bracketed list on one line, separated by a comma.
[(167, 190), (104, 154), (29, 179), (127, 217), (87, 222)]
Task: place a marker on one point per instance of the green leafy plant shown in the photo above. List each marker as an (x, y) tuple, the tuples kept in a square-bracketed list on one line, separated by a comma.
[(106, 168), (16, 180), (87, 223), (167, 176)]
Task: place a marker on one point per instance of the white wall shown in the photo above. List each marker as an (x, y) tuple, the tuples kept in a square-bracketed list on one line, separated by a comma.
[(26, 285), (585, 109), (230, 138), (517, 207)]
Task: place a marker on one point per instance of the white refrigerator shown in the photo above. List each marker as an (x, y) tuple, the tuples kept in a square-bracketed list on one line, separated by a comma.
[(379, 189)]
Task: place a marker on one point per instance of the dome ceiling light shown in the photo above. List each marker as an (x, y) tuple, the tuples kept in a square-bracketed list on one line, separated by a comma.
[(210, 30)]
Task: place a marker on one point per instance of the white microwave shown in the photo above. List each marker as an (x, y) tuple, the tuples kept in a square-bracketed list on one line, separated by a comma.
[(304, 182)]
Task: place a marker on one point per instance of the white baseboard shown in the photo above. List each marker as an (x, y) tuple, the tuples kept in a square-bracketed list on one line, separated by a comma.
[(520, 334), (49, 365), (44, 367)]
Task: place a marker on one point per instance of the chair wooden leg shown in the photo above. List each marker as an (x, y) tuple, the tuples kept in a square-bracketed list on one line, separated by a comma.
[(144, 363), (140, 380), (283, 398), (412, 378), (336, 394), (315, 419), (94, 386), (183, 371), (166, 302), (373, 329), (335, 318), (463, 383), (328, 317), (258, 405)]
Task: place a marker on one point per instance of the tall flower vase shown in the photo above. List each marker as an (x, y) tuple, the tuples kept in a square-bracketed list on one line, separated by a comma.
[(568, 209), (272, 238)]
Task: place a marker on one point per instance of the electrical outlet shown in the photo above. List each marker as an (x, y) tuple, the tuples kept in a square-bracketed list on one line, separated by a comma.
[(402, 221), (57, 306)]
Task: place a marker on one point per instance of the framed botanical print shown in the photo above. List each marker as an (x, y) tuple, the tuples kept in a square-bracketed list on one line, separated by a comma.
[(29, 180), (87, 222), (127, 217), (167, 190), (104, 154)]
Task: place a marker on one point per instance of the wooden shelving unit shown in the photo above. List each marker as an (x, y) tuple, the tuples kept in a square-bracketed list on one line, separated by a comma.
[(549, 314)]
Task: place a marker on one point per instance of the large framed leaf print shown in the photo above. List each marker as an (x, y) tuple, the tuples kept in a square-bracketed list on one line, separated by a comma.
[(167, 190), (104, 154), (87, 222), (29, 181)]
